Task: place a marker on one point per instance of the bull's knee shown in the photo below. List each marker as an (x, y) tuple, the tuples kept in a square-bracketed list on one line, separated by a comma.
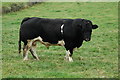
[(25, 51), (33, 51)]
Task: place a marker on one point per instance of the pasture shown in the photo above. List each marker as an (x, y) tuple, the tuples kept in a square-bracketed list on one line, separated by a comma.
[(95, 59)]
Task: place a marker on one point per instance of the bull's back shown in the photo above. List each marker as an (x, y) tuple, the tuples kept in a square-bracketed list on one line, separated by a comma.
[(48, 29), (29, 29)]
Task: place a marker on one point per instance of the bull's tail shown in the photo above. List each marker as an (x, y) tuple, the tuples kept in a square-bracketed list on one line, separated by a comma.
[(19, 42), (19, 46)]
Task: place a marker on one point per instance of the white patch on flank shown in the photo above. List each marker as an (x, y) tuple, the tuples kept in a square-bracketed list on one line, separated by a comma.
[(62, 28), (67, 57)]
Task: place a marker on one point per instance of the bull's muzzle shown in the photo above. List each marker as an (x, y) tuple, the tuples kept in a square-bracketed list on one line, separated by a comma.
[(87, 39)]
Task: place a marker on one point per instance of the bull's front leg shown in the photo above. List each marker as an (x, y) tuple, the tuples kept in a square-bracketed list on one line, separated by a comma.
[(68, 56)]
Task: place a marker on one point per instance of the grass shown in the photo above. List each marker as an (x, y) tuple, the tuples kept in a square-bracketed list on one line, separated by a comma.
[(8, 4), (95, 59)]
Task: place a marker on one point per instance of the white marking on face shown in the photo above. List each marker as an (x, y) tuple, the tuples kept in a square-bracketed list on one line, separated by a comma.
[(62, 28)]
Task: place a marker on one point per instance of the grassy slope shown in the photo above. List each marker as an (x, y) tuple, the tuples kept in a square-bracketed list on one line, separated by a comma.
[(95, 59), (7, 3)]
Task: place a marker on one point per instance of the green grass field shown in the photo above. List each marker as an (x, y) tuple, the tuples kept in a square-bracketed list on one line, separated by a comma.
[(95, 59), (8, 3)]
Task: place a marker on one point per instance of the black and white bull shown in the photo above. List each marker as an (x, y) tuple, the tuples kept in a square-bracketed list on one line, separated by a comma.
[(69, 33)]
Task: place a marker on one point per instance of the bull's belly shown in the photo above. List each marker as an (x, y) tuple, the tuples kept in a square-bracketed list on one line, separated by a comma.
[(47, 44)]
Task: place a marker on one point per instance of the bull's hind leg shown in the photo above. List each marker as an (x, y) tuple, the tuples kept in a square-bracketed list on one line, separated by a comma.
[(33, 51), (26, 48), (25, 53), (68, 56)]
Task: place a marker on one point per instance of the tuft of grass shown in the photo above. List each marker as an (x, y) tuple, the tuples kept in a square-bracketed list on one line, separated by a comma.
[(95, 59)]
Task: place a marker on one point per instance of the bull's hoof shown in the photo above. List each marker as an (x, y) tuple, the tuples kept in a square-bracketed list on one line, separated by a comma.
[(37, 59), (68, 59), (25, 59)]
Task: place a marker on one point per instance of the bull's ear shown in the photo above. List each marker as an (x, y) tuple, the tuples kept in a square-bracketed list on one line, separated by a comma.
[(94, 26)]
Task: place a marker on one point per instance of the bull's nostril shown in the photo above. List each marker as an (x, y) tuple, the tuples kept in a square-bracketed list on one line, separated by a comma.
[(87, 39)]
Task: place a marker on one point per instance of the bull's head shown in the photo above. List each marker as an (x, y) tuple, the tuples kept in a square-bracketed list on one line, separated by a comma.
[(86, 27)]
